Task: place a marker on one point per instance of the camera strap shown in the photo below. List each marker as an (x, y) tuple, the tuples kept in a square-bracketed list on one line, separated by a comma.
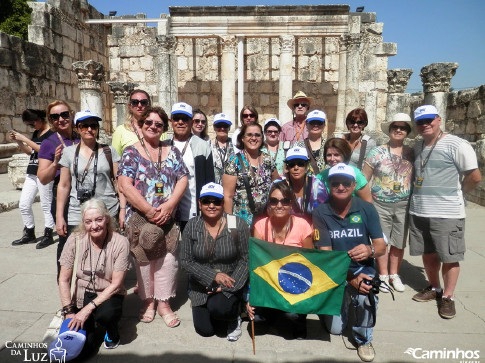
[(94, 155)]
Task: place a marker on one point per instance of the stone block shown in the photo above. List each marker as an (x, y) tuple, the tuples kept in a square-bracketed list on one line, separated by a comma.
[(6, 57), (67, 30), (135, 64), (331, 76), (68, 47), (470, 127), (33, 66), (182, 63), (386, 49), (375, 28), (136, 76), (4, 40), (475, 109), (131, 51), (146, 63), (204, 100), (39, 35), (114, 65)]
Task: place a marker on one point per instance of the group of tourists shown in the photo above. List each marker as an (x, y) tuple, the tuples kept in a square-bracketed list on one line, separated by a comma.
[(195, 201)]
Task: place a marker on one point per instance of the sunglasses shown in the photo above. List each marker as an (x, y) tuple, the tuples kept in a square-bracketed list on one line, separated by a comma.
[(208, 201), (249, 115), (180, 117), (285, 202), (222, 126), (353, 122), (299, 163), (275, 132), (425, 121), (253, 134), (135, 103), (336, 184), (150, 123), (295, 105), (83, 127), (55, 116), (400, 128), (197, 121), (316, 123)]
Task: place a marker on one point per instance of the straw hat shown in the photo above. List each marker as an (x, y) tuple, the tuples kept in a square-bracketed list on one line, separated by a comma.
[(300, 97), (400, 117)]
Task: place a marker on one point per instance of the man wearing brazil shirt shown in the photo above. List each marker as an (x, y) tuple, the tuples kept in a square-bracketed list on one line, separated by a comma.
[(346, 223)]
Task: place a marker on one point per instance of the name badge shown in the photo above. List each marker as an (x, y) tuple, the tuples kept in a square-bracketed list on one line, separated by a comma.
[(419, 182), (396, 187), (159, 189)]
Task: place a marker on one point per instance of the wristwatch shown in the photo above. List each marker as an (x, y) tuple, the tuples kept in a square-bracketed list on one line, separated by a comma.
[(373, 251)]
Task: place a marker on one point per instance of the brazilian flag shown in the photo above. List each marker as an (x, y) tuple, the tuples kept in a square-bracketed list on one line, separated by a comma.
[(296, 280)]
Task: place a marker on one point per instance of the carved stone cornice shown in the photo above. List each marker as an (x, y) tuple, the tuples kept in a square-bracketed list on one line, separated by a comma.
[(436, 77), (167, 43), (287, 43), (89, 73), (350, 42), (121, 90), (398, 79), (229, 43)]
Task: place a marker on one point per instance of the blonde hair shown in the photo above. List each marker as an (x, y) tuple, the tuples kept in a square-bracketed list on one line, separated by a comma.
[(98, 205), (129, 115), (54, 104)]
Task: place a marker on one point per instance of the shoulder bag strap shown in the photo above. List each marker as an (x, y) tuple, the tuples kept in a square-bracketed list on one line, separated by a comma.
[(74, 268), (244, 175), (308, 193), (109, 157), (363, 147), (313, 161)]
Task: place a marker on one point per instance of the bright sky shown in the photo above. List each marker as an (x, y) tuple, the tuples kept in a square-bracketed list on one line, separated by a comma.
[(426, 31)]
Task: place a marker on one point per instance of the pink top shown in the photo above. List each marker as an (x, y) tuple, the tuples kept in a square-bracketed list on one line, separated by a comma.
[(114, 257), (290, 131), (300, 229)]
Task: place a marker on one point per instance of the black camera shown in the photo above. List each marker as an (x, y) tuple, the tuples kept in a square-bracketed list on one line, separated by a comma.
[(375, 283), (84, 195)]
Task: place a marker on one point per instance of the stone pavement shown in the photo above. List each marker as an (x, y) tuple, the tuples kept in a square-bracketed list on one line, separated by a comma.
[(29, 298)]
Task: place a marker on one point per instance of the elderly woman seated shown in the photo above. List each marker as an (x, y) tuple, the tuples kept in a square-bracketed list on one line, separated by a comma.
[(282, 228), (100, 259), (214, 251)]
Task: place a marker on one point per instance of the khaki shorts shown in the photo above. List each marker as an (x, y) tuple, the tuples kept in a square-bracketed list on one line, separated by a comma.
[(394, 220), (444, 236)]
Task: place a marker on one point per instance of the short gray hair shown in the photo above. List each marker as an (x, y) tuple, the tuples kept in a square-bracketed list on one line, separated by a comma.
[(101, 208)]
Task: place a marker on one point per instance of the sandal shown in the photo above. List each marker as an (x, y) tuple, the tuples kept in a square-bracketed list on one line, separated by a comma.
[(147, 316), (171, 320)]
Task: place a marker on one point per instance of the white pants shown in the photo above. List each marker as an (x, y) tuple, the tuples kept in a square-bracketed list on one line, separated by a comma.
[(32, 185)]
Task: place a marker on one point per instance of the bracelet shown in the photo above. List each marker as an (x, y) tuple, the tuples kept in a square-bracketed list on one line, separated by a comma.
[(123, 207), (372, 251), (92, 302), (68, 309)]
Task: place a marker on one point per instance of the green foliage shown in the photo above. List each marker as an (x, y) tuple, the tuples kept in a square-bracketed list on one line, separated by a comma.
[(15, 17)]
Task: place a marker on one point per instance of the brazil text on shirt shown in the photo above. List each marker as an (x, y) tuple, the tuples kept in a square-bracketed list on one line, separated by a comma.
[(344, 233)]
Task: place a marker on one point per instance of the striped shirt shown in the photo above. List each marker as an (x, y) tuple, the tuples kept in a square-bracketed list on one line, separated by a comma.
[(440, 195), (228, 256)]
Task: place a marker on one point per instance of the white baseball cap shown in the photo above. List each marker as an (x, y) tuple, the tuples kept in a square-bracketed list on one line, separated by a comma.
[(213, 190), (316, 115), (221, 118), (297, 153), (84, 115), (343, 170), (425, 112), (183, 108), (272, 120)]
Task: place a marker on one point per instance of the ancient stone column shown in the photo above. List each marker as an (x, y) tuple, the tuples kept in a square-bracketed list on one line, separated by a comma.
[(228, 75), (397, 100), (90, 75), (353, 71), (287, 42), (166, 64), (121, 91), (342, 88), (436, 78)]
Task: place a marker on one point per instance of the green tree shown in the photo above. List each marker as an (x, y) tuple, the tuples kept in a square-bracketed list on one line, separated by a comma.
[(15, 17)]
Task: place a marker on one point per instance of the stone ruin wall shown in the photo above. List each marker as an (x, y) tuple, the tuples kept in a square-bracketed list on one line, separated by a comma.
[(33, 73)]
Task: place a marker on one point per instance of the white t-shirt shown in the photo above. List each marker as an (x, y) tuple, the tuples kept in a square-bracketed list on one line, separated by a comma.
[(188, 204)]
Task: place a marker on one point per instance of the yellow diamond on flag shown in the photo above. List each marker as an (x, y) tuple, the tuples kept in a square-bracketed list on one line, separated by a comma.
[(295, 278)]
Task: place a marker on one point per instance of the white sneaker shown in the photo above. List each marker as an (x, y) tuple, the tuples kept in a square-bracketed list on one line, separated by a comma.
[(385, 279), (397, 283), (234, 331)]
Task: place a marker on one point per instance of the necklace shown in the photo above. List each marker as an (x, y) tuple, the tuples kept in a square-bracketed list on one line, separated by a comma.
[(288, 228), (93, 272)]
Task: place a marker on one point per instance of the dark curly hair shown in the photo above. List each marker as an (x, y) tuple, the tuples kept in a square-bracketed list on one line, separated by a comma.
[(244, 127), (159, 111)]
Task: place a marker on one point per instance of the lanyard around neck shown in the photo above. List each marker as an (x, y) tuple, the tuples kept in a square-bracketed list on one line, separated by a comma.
[(158, 166), (425, 161), (94, 155)]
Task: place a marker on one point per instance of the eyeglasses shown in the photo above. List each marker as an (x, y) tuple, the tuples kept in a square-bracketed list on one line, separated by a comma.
[(180, 117), (400, 128), (93, 126), (253, 134), (299, 163), (353, 122), (275, 132), (197, 121), (336, 184), (424, 121), (316, 123), (150, 123), (296, 104), (248, 115), (222, 126), (55, 116), (208, 201), (285, 202), (135, 103)]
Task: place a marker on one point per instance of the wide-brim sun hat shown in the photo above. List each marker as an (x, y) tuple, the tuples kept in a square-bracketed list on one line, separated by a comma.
[(400, 117), (300, 97)]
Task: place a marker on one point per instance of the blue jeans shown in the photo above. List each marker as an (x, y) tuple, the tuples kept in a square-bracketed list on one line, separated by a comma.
[(361, 332)]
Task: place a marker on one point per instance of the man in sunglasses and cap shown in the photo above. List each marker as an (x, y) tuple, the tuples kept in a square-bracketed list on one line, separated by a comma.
[(445, 167), (348, 223), (197, 156), (296, 130)]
